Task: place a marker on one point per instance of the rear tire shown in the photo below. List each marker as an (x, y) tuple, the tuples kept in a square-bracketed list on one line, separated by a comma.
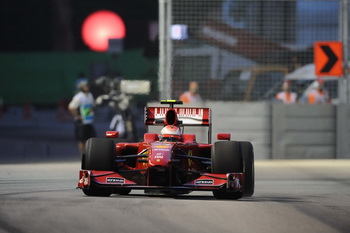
[(98, 155)]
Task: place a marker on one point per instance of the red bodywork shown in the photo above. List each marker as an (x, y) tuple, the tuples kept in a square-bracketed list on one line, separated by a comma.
[(179, 167)]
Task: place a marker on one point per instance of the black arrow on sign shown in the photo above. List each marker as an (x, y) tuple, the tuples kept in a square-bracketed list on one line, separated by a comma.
[(332, 58)]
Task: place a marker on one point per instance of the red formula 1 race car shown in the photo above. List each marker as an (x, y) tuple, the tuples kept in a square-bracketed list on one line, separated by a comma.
[(169, 162)]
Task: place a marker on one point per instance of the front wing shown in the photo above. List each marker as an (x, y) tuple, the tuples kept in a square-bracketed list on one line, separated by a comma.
[(233, 182)]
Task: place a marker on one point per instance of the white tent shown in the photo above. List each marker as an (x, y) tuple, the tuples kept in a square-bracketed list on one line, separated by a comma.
[(306, 72)]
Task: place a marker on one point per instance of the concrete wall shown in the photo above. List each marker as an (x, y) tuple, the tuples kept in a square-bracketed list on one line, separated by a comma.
[(276, 131), (245, 122), (343, 131), (303, 131), (279, 131)]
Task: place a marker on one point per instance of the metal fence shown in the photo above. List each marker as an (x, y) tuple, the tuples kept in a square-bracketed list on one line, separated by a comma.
[(239, 50)]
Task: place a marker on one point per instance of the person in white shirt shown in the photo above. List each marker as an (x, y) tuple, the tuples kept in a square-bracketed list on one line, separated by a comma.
[(319, 95), (286, 96), (82, 108), (191, 96)]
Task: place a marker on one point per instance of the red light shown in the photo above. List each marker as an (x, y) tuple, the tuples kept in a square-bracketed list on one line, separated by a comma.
[(101, 26)]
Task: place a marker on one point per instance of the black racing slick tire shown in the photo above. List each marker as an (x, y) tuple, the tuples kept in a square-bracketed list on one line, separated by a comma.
[(235, 157), (125, 191), (248, 168), (98, 154), (92, 191), (226, 157)]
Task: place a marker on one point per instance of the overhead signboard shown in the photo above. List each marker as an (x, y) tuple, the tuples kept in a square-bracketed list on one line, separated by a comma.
[(328, 58)]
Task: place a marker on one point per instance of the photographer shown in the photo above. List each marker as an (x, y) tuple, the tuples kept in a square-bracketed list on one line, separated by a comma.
[(82, 108)]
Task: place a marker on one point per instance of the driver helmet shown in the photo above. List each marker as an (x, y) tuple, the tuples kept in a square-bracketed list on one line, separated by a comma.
[(170, 133)]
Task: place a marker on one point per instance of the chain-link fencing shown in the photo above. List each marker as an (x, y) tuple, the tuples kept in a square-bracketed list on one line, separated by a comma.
[(238, 50)]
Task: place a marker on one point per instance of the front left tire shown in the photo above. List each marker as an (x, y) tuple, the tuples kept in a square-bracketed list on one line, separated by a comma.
[(234, 157)]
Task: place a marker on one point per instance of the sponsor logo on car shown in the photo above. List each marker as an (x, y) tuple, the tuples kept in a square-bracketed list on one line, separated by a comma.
[(162, 149), (162, 146), (115, 180), (206, 182)]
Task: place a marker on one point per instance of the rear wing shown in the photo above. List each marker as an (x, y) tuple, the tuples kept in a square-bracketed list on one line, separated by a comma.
[(186, 116)]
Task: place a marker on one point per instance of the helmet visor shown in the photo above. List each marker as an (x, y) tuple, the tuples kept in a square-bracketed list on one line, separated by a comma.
[(170, 138)]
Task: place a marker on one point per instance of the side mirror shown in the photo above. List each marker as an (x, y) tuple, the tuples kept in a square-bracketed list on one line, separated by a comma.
[(189, 138), (224, 136), (150, 137), (112, 134)]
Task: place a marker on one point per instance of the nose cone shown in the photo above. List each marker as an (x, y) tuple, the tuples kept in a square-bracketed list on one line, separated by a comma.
[(160, 154)]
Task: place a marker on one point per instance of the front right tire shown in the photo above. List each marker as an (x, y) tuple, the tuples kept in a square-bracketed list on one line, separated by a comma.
[(98, 155)]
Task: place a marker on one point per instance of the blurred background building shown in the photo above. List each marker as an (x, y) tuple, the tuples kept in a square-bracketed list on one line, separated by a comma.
[(242, 50), (42, 51), (239, 53), (236, 50)]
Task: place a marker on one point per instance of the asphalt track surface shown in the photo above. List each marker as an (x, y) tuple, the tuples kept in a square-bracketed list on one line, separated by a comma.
[(290, 196)]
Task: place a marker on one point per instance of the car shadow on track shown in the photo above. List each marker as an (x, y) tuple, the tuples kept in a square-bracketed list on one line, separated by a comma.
[(275, 199), (182, 197), (211, 198)]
